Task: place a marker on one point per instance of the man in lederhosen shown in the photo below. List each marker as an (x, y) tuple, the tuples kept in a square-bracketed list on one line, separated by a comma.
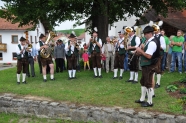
[(134, 42), (119, 56), (160, 38), (71, 51), (149, 57), (22, 60), (95, 45), (45, 61)]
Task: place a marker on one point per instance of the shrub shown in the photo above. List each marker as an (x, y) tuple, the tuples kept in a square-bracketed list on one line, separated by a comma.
[(182, 100), (183, 80), (171, 88), (183, 91)]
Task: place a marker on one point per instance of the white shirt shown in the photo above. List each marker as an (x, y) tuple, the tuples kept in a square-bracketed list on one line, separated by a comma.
[(72, 48), (18, 51), (120, 44), (38, 46), (162, 41), (151, 46), (137, 40), (94, 44)]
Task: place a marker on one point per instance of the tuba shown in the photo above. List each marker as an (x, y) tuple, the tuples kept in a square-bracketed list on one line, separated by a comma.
[(127, 30), (45, 53)]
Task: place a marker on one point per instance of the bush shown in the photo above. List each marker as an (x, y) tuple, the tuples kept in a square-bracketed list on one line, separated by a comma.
[(183, 80), (172, 88), (182, 100), (183, 91)]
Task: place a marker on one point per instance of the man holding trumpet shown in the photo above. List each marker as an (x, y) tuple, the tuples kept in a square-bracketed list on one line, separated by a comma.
[(133, 43), (95, 45), (22, 60)]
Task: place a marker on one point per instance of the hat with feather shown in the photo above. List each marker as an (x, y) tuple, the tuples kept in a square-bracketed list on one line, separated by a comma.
[(72, 35), (22, 39), (95, 30), (156, 27)]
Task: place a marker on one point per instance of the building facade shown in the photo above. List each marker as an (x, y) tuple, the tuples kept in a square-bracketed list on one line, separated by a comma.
[(9, 39)]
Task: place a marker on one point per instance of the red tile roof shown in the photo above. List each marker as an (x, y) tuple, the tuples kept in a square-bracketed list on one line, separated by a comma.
[(82, 36), (175, 19), (6, 25)]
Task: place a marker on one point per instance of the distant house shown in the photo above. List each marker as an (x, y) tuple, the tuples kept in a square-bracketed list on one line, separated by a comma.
[(9, 39), (173, 21), (114, 28)]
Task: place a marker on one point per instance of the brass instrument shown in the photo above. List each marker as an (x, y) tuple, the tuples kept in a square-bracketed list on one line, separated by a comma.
[(93, 40), (45, 53), (127, 30), (113, 40)]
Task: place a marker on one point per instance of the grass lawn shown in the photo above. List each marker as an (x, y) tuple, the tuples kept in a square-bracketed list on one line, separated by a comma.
[(78, 32), (87, 90), (14, 118)]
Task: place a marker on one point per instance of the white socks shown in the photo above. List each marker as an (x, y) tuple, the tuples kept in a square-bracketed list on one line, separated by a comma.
[(131, 75), (143, 93), (149, 94), (70, 73), (51, 76), (24, 76), (95, 71), (18, 77), (44, 77), (158, 79), (115, 72), (99, 71), (136, 76), (74, 73), (121, 72)]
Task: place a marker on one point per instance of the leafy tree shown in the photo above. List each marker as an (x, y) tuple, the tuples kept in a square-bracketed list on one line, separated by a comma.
[(98, 13)]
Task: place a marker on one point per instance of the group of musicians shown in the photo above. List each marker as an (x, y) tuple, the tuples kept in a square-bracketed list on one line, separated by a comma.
[(127, 42)]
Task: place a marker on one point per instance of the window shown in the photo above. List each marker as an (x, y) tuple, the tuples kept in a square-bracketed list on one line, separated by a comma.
[(31, 39), (1, 56), (14, 56), (14, 39), (35, 39), (0, 39)]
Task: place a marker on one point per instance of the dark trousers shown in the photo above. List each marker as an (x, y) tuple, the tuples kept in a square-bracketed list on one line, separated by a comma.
[(133, 63), (96, 59), (22, 65), (31, 64), (39, 62), (59, 64), (119, 61), (72, 62)]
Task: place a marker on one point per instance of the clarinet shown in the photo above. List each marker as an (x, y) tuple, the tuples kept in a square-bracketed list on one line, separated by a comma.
[(133, 54)]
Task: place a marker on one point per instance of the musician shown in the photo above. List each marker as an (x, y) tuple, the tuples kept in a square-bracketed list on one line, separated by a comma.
[(45, 61), (95, 45), (119, 55), (109, 51), (159, 37), (22, 60), (71, 51), (78, 46), (148, 64), (59, 55), (134, 42)]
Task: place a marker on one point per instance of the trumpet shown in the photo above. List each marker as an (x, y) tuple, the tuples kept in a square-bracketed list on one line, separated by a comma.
[(93, 40)]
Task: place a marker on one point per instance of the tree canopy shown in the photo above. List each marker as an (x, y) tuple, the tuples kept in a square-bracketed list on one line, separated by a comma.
[(97, 13)]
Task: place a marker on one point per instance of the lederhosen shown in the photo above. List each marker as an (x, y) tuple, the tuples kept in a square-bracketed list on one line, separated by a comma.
[(134, 64), (149, 66), (72, 58), (45, 61), (119, 57), (22, 62), (159, 70), (95, 55)]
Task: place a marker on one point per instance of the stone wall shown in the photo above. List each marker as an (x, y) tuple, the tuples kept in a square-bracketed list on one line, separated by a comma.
[(69, 111)]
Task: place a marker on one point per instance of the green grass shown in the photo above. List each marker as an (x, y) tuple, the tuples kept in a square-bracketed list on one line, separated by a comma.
[(78, 32), (87, 90), (14, 118)]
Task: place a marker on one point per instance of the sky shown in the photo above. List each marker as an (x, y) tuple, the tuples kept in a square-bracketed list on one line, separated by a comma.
[(62, 26)]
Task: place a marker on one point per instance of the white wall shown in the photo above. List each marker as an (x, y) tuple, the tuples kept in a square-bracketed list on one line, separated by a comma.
[(7, 38)]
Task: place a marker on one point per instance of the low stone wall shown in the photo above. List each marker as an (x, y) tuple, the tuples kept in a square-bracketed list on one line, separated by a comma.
[(68, 111)]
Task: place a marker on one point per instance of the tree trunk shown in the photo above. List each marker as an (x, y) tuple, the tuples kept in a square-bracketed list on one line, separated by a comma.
[(100, 21)]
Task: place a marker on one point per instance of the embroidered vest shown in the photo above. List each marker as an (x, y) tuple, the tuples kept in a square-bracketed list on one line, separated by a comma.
[(25, 55), (97, 48), (75, 50)]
